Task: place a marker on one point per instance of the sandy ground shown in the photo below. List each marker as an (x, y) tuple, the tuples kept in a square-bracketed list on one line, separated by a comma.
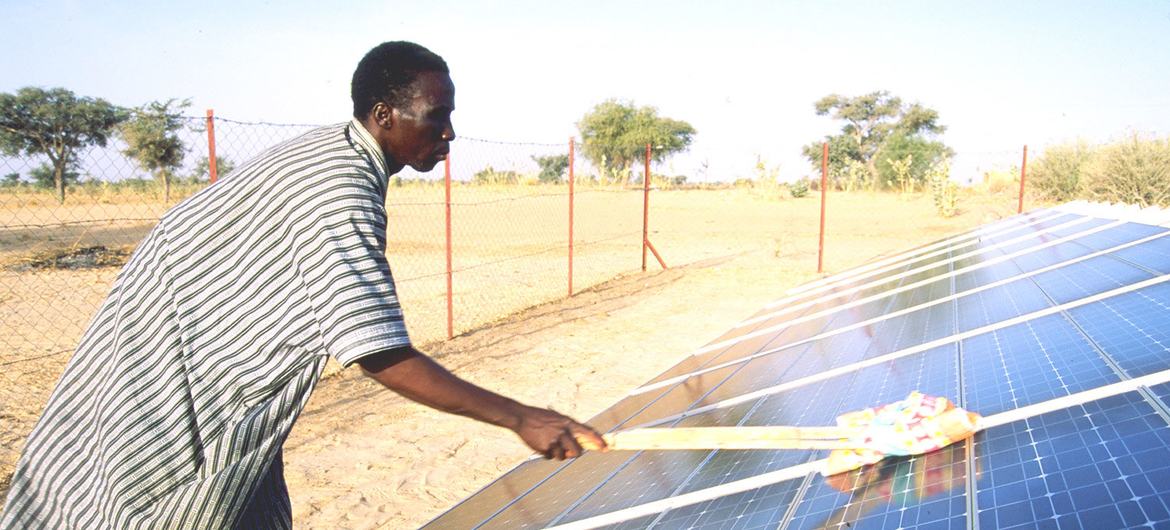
[(361, 457)]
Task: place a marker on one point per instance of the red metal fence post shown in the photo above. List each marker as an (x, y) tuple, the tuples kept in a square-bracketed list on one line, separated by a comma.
[(645, 207), (1023, 174), (571, 149), (211, 169), (447, 183), (824, 196)]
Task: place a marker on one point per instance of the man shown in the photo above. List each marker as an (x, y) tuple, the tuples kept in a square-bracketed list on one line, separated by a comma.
[(174, 408)]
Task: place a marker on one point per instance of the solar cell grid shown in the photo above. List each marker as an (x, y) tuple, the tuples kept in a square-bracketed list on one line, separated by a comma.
[(1021, 229), (1154, 255), (873, 306), (944, 247), (917, 327), (496, 495), (758, 373), (1100, 464), (788, 331), (830, 289), (1118, 235), (1000, 303), (540, 506), (1163, 394), (832, 352), (813, 325), (1075, 231), (1105, 240), (1039, 258), (684, 395), (917, 263), (1032, 233), (917, 273), (765, 319), (1132, 329), (984, 275), (934, 372), (1028, 363), (818, 314), (1009, 228), (958, 263), (653, 475), (799, 407), (926, 491), (1088, 277), (751, 510), (631, 405)]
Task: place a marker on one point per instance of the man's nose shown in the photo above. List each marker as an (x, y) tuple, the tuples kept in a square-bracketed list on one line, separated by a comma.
[(448, 133)]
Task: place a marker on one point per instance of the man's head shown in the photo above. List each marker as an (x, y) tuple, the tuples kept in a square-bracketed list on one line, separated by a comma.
[(404, 96)]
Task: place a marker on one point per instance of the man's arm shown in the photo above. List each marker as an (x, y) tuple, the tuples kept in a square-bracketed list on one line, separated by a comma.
[(417, 377)]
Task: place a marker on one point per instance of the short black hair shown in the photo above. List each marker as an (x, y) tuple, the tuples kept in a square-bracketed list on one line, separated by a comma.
[(385, 73)]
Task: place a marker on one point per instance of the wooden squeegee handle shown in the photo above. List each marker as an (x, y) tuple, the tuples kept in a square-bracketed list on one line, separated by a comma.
[(730, 438)]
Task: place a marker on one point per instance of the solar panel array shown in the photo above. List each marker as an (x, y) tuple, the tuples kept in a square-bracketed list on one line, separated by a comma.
[(1054, 325)]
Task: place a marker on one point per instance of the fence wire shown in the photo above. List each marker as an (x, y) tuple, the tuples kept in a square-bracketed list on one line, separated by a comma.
[(509, 217), (509, 232)]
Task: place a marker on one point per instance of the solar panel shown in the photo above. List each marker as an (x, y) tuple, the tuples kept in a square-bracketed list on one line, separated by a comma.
[(1055, 325)]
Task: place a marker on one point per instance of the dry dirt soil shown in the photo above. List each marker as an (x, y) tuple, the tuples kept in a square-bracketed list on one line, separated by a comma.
[(362, 457)]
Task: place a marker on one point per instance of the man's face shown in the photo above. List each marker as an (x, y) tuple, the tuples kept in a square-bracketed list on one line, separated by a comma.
[(421, 132)]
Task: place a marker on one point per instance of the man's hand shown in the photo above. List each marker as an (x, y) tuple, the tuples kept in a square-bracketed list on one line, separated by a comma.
[(555, 435)]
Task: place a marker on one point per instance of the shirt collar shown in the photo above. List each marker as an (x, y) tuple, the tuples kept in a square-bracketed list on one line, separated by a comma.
[(366, 141)]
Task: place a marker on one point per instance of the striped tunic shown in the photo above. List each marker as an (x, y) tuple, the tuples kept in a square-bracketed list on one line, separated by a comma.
[(174, 408)]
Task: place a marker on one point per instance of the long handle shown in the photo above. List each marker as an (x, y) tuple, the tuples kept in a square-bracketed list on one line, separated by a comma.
[(731, 438)]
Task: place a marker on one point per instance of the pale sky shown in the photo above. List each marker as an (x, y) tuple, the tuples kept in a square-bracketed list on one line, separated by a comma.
[(745, 74)]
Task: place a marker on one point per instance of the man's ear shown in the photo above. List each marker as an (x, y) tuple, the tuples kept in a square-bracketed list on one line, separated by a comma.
[(384, 115)]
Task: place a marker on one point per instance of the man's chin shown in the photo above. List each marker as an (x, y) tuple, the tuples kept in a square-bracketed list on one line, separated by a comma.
[(423, 167)]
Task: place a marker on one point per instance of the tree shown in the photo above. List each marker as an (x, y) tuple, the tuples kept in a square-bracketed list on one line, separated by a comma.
[(614, 136), (55, 123), (922, 152), (151, 140), (552, 167), (46, 176), (843, 152), (874, 122), (202, 172), (11, 179)]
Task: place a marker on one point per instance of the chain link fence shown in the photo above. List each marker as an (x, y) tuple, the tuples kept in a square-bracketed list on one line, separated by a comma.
[(508, 240), (509, 231)]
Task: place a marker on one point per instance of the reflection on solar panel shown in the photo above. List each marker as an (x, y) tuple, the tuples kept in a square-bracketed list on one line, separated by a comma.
[(1055, 325)]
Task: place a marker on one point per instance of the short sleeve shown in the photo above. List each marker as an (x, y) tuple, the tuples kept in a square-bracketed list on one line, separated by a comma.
[(347, 281)]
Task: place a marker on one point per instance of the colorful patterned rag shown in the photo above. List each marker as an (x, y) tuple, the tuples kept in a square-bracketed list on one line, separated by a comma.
[(915, 425)]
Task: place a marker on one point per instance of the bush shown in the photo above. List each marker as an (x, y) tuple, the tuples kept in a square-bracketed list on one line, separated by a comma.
[(943, 191), (489, 175), (552, 167), (998, 181), (1059, 173), (798, 189), (1136, 171), (902, 171)]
